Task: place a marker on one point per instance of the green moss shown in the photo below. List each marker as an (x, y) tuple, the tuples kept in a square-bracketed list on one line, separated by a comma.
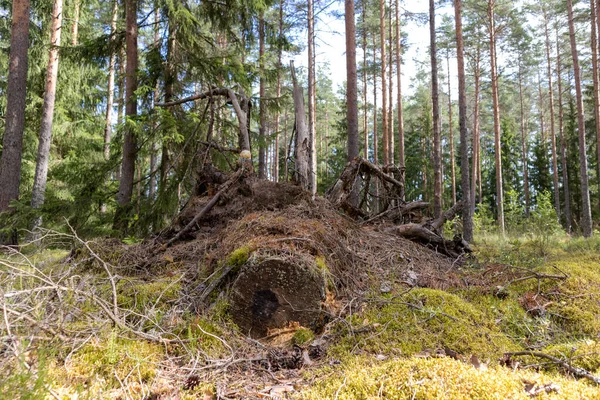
[(239, 256), (141, 295), (321, 264), (115, 356), (434, 378), (303, 336), (425, 319)]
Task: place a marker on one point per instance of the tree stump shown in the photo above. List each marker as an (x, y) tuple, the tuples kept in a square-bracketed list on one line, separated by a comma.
[(275, 291)]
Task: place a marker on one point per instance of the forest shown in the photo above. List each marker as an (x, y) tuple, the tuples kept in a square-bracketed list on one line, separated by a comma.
[(196, 202)]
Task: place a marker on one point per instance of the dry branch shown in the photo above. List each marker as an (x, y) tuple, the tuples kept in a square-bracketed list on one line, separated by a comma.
[(576, 371)]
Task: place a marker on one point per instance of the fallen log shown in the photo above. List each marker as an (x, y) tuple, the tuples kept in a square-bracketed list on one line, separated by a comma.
[(273, 291), (454, 248)]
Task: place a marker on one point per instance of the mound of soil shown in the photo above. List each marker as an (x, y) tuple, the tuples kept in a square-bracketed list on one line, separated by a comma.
[(283, 258)]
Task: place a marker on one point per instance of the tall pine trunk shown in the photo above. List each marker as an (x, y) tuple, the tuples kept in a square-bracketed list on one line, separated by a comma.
[(384, 119), (312, 100), (437, 143), (552, 122), (75, 27), (563, 142), (365, 94), (351, 81), (586, 219), (467, 214), (401, 162), (110, 98), (390, 88), (12, 142), (524, 135), (496, 106), (262, 110), (43, 155), (476, 139), (594, 39), (129, 141), (450, 132)]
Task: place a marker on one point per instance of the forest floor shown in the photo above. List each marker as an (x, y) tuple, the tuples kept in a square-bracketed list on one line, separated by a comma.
[(520, 319)]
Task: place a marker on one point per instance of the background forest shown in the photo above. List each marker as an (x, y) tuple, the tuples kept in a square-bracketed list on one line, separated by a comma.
[(118, 158)]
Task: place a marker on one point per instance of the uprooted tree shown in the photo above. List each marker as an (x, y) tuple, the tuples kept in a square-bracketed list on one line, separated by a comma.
[(283, 256)]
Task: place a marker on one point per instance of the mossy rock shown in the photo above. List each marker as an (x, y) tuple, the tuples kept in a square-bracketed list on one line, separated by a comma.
[(426, 319)]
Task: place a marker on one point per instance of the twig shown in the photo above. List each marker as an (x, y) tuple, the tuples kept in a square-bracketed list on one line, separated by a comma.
[(576, 371), (205, 210)]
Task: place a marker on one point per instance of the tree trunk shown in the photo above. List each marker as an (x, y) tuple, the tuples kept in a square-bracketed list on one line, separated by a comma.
[(401, 163), (365, 88), (271, 291), (262, 111), (129, 142), (351, 81), (586, 221), (467, 211), (12, 142), (476, 139), (75, 28), (524, 136), (437, 143), (43, 155), (278, 117), (384, 120), (153, 149), (450, 132), (375, 133), (170, 77), (552, 131), (563, 143), (496, 105), (390, 89), (111, 85), (594, 39), (312, 101), (302, 147)]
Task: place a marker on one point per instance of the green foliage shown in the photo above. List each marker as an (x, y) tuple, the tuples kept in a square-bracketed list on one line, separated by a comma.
[(303, 336)]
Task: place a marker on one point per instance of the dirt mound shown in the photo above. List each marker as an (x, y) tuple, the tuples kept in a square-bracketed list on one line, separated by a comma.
[(282, 258)]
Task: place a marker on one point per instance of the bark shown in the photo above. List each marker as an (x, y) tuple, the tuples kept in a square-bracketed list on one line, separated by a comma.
[(586, 220), (262, 111), (563, 144), (476, 150), (437, 143), (384, 120), (401, 163), (45, 139), (451, 132), (153, 158), (312, 102), (390, 90), (129, 142), (302, 147), (524, 136), (594, 40), (12, 142), (278, 117), (351, 82), (552, 130), (375, 133), (496, 106), (467, 210), (111, 85), (75, 28), (365, 101)]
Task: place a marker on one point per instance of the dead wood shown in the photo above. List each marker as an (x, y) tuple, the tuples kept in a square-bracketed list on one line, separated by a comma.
[(416, 232), (206, 208), (576, 371)]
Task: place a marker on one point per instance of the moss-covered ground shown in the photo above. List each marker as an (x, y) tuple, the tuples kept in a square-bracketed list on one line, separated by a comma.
[(416, 343)]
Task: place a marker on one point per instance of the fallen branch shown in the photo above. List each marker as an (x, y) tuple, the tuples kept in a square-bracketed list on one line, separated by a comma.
[(576, 371), (206, 209)]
